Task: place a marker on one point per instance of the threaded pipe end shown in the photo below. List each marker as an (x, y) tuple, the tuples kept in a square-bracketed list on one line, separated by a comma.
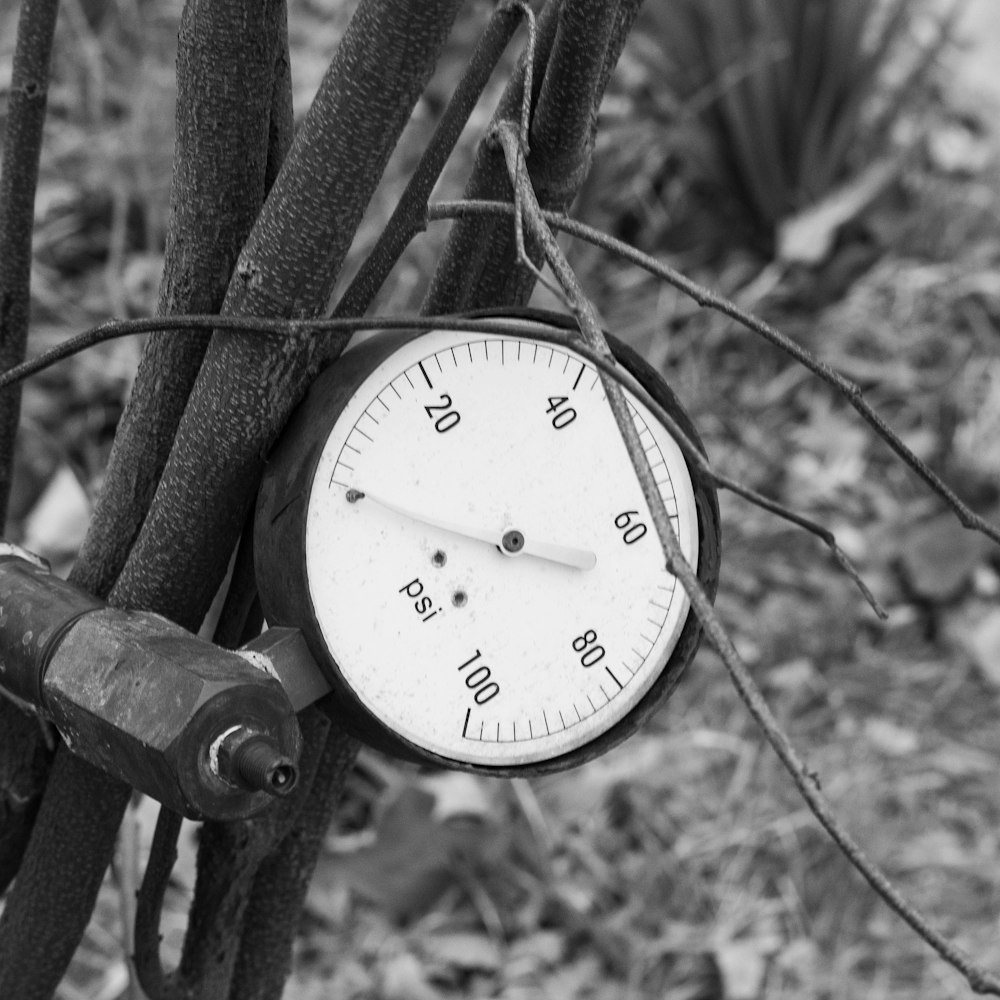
[(255, 763)]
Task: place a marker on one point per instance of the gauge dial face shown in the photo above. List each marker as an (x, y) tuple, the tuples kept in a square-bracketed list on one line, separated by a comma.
[(483, 567)]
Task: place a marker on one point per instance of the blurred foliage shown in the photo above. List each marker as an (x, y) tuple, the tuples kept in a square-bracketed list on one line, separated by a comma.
[(760, 108), (682, 864)]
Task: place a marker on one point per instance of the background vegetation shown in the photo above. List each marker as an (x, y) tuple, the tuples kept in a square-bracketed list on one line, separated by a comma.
[(682, 864)]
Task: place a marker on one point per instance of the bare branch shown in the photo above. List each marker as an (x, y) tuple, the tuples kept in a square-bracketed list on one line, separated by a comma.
[(477, 249), (579, 43), (18, 180), (711, 300), (52, 897), (24, 758), (226, 152), (229, 855), (805, 779), (149, 905), (248, 386), (279, 889), (225, 68), (517, 322), (409, 216)]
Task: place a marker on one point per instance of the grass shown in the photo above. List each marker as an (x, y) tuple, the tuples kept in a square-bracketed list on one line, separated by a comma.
[(682, 864), (762, 109)]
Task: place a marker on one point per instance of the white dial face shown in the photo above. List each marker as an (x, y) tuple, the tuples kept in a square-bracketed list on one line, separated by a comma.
[(498, 594)]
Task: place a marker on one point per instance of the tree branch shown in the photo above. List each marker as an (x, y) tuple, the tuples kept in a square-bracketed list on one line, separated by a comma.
[(409, 216), (232, 86), (274, 909), (50, 904), (225, 67), (248, 386), (806, 780), (229, 855), (24, 757), (18, 181), (149, 905), (711, 300), (470, 255), (579, 42)]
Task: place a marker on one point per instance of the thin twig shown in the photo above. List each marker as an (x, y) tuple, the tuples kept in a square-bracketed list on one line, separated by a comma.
[(806, 780), (507, 136), (512, 325), (711, 300)]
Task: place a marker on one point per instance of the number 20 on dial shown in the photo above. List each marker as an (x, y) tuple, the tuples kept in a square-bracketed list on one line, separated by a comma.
[(453, 521)]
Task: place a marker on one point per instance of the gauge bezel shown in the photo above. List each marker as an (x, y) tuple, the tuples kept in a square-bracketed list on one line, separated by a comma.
[(280, 553)]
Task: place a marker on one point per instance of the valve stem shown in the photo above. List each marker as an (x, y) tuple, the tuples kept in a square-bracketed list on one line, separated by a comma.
[(252, 761)]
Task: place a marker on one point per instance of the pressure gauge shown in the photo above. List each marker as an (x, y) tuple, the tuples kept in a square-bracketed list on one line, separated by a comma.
[(452, 520)]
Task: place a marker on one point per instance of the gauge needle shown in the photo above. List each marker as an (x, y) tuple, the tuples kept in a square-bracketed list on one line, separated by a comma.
[(510, 542)]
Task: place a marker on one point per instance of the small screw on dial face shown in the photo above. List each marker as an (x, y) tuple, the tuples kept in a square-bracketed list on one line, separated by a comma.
[(512, 542), (492, 590)]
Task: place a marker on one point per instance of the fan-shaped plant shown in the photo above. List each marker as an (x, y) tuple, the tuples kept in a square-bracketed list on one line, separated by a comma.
[(788, 98)]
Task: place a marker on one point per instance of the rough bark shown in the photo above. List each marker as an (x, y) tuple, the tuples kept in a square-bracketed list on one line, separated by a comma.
[(231, 70), (25, 759), (383, 64), (471, 255), (219, 184), (24, 755), (50, 904), (244, 919), (274, 909), (248, 385), (579, 42), (409, 216), (229, 855)]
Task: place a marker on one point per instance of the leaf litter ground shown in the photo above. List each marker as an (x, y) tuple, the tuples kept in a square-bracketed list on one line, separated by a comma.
[(682, 864)]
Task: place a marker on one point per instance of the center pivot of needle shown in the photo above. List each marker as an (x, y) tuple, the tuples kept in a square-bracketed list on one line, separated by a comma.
[(512, 542)]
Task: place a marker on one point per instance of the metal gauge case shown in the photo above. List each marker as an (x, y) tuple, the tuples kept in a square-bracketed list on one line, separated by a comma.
[(452, 520)]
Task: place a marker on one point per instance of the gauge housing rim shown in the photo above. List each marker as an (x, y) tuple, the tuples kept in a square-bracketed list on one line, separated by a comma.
[(279, 546)]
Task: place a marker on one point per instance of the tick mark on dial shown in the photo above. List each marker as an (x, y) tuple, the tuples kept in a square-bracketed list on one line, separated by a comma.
[(427, 377), (460, 598), (439, 558)]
